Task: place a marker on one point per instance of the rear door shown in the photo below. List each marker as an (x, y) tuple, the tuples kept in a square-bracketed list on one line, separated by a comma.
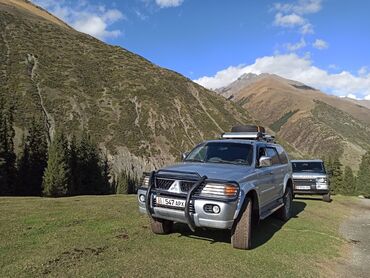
[(278, 171)]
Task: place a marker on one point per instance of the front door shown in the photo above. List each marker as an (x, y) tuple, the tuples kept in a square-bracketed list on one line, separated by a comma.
[(265, 182)]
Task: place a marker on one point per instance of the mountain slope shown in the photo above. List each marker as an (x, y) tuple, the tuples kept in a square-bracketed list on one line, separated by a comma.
[(141, 114), (314, 123), (363, 103)]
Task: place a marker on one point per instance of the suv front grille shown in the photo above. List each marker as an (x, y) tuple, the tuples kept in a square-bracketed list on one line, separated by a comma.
[(163, 183), (185, 186), (304, 182)]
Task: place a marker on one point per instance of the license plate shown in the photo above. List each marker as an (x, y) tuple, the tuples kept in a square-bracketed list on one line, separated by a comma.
[(303, 187), (171, 202)]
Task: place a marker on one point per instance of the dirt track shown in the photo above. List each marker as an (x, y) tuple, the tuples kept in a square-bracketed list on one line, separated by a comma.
[(356, 230)]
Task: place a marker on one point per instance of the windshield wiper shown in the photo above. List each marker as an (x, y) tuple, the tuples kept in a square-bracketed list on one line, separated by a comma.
[(225, 162), (194, 160)]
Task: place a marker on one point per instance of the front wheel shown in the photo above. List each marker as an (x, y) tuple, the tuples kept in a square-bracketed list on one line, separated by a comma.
[(241, 232), (326, 197), (161, 226), (285, 212)]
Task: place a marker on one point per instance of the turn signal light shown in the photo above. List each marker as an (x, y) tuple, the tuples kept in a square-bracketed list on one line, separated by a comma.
[(230, 190)]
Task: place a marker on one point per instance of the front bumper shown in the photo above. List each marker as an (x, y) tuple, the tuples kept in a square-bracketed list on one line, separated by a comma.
[(310, 186), (200, 218), (311, 192)]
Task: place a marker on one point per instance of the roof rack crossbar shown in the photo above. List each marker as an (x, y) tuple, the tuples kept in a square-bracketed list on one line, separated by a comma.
[(259, 136)]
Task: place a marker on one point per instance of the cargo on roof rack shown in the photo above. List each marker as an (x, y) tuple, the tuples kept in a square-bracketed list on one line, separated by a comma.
[(259, 136)]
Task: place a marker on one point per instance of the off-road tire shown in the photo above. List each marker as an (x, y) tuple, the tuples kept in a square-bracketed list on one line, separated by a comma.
[(285, 212), (326, 198), (161, 226), (248, 128), (241, 232)]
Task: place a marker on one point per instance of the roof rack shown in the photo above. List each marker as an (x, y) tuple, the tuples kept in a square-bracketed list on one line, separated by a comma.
[(258, 136)]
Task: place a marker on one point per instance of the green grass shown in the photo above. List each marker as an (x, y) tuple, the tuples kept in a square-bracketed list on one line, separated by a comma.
[(107, 237)]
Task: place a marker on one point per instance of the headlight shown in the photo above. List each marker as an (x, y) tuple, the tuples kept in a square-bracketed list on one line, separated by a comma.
[(321, 183), (321, 180), (145, 180), (221, 190)]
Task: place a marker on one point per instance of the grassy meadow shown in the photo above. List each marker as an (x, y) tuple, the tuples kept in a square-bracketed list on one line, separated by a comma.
[(105, 236)]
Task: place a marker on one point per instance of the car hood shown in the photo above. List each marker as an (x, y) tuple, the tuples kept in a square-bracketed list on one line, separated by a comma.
[(307, 175), (220, 171)]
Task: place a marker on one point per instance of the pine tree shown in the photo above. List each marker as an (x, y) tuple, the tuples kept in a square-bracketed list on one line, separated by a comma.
[(349, 183), (336, 176), (10, 152), (89, 167), (106, 188), (3, 147), (122, 186), (126, 183), (56, 179), (22, 186), (7, 154), (363, 178), (73, 166), (33, 161)]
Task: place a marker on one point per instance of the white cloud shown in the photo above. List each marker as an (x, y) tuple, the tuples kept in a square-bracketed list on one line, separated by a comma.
[(289, 20), (320, 44), (352, 96), (362, 71), (367, 97), (295, 46), (87, 18), (301, 7), (140, 15), (292, 14), (307, 29), (297, 68), (168, 3)]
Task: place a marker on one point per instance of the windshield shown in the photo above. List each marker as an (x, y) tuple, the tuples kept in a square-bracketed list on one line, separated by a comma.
[(315, 167), (222, 152)]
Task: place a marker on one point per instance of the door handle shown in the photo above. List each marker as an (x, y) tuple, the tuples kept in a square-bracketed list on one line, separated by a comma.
[(270, 173)]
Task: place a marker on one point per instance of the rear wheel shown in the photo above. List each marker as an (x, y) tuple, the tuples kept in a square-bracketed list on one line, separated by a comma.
[(285, 212), (326, 197), (241, 233), (161, 226)]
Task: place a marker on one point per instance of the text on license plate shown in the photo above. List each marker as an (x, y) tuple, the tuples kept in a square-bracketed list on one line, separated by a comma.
[(170, 202), (304, 187)]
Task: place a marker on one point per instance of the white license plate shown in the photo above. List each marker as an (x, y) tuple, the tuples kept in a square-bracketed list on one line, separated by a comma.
[(303, 187), (162, 201)]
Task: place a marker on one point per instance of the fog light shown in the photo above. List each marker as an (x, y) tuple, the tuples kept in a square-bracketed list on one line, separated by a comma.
[(142, 198), (216, 209)]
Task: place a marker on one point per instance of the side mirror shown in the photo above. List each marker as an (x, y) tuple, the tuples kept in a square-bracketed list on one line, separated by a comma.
[(265, 161), (184, 155)]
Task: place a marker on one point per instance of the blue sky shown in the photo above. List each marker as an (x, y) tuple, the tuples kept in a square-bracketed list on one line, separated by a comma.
[(324, 43)]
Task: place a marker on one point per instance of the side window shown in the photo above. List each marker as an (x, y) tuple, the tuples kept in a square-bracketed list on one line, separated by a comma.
[(261, 152), (283, 156), (271, 152)]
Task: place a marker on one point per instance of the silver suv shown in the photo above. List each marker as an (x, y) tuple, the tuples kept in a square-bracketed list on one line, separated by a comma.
[(310, 178), (224, 184)]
